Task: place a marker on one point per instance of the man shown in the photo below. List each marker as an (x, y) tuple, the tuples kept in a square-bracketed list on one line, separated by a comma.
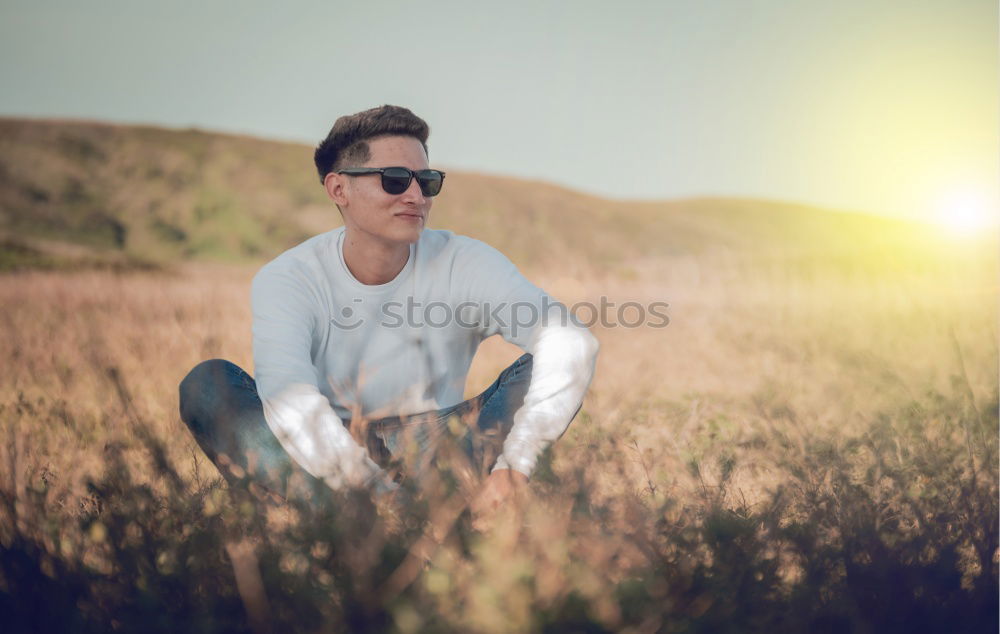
[(379, 320)]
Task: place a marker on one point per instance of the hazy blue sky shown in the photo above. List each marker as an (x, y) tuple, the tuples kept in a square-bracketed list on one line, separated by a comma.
[(880, 105)]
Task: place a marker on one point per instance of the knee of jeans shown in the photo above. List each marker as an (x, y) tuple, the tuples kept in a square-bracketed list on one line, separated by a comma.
[(203, 380), (521, 369)]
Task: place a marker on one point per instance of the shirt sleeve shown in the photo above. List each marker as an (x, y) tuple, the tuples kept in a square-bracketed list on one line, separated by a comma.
[(299, 415), (564, 353)]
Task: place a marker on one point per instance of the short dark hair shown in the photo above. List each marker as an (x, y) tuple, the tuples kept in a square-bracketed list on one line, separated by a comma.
[(347, 143)]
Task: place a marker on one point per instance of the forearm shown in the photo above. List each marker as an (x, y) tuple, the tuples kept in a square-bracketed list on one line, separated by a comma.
[(314, 436), (564, 358)]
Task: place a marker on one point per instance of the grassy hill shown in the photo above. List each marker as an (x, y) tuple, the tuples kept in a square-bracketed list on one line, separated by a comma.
[(73, 191), (810, 446)]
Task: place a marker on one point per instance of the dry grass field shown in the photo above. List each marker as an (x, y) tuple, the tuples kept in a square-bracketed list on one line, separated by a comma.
[(810, 444), (801, 449)]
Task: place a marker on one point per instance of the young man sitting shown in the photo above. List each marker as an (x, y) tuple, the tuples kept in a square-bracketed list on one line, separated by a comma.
[(379, 320)]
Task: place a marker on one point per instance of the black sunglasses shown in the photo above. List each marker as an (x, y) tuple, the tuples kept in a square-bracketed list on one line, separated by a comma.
[(396, 180)]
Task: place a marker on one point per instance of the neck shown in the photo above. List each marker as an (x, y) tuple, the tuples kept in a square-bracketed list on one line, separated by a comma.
[(371, 261)]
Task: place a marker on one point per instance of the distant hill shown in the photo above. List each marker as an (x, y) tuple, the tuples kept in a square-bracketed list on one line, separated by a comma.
[(139, 193)]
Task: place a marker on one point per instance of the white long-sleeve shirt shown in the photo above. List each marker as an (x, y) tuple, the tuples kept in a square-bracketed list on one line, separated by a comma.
[(328, 348)]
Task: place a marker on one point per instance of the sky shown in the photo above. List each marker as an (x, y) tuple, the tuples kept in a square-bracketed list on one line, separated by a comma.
[(886, 106)]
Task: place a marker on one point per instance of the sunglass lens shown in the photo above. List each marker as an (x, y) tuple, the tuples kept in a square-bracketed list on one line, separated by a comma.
[(430, 182), (395, 180)]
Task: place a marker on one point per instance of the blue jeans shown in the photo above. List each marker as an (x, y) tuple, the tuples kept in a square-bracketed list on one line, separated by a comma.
[(220, 405)]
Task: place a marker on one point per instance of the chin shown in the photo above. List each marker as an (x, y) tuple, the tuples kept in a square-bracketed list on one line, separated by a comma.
[(408, 237)]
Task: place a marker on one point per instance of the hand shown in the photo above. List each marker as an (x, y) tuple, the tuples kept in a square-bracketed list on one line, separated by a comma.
[(499, 487), (394, 505), (382, 486), (385, 491)]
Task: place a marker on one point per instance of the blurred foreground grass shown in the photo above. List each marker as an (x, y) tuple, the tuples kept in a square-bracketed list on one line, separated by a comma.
[(800, 450)]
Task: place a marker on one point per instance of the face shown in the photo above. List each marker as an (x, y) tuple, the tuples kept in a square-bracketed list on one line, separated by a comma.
[(370, 210)]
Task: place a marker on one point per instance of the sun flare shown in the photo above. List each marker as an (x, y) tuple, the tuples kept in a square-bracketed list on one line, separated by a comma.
[(966, 212)]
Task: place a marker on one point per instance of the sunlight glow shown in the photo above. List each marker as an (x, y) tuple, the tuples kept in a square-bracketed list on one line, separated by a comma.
[(966, 212)]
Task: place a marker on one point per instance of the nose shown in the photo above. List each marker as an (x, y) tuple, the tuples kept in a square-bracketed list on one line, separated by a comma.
[(413, 192)]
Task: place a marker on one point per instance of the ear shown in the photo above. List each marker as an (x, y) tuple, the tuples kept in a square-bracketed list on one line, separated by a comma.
[(336, 186)]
